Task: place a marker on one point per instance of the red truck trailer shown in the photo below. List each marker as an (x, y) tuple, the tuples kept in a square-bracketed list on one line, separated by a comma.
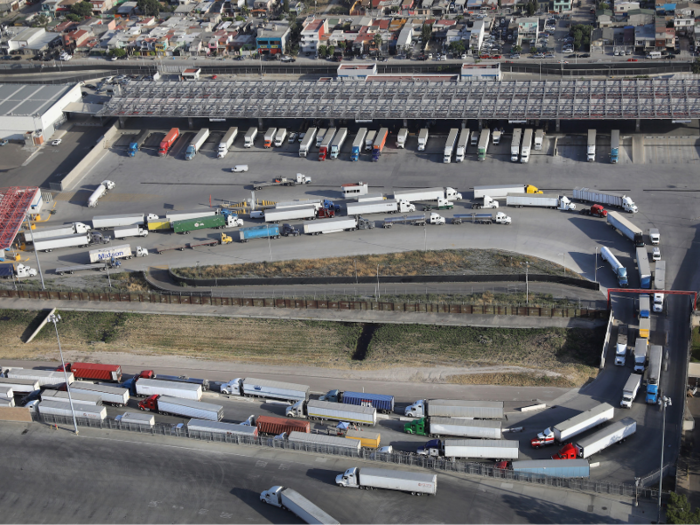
[(277, 425), (94, 371), (168, 141)]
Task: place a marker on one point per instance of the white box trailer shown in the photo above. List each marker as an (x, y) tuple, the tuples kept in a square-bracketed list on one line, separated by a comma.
[(137, 418), (613, 433), (455, 408), (129, 231), (515, 144), (322, 440), (338, 142), (379, 206), (586, 420), (369, 139), (43, 377), (268, 389), (609, 198), (540, 200), (150, 387), (371, 197), (307, 141), (270, 137), (6, 391), (468, 428), (462, 144), (226, 142), (20, 386), (60, 396), (280, 137), (341, 224), (294, 502), (401, 137), (481, 449), (112, 395), (422, 139), (102, 222), (450, 143), (55, 408), (218, 427), (325, 410), (53, 233), (7, 401), (498, 190), (71, 241), (186, 215), (290, 214), (629, 391), (415, 483), (249, 138), (539, 139), (428, 194), (189, 408), (122, 251)]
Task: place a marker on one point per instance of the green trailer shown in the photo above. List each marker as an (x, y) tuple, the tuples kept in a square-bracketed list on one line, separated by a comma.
[(200, 223)]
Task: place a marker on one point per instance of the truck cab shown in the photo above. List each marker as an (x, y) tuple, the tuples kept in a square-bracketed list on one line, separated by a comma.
[(233, 387), (502, 218), (417, 409), (296, 410), (436, 218), (332, 396), (432, 448), (150, 403), (271, 497), (620, 354), (568, 451), (348, 478), (418, 427), (543, 439)]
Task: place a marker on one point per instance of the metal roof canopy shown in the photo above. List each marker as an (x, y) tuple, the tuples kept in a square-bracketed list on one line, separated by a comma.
[(651, 99), (14, 205)]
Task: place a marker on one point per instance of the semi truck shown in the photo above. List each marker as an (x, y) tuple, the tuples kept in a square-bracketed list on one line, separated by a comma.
[(607, 198), (249, 138), (539, 139), (379, 143), (626, 228), (415, 483), (277, 425), (137, 142), (611, 434), (614, 146), (563, 468), (428, 194), (544, 200), (325, 410), (297, 504), (71, 241), (448, 426), (401, 138), (265, 388), (307, 141), (455, 408), (227, 142), (617, 268), (462, 144), (178, 406), (202, 223), (102, 222), (150, 387), (629, 391), (338, 141), (643, 268), (129, 231), (483, 146), (450, 145), (269, 137), (384, 403), (288, 214), (380, 206), (641, 348), (100, 191), (642, 306), (43, 377), (659, 284), (515, 144), (168, 142), (110, 395), (116, 252), (590, 148), (357, 144), (526, 146), (325, 147), (644, 327), (196, 143), (266, 231), (192, 214), (496, 136), (95, 371), (303, 438), (653, 378), (501, 191), (499, 449), (369, 139), (574, 426), (342, 224), (52, 233), (10, 270), (415, 220), (621, 346), (422, 139), (280, 136), (82, 410), (283, 181), (218, 427), (320, 136)]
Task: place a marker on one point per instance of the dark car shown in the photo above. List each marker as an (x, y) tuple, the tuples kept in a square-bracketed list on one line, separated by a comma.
[(16, 57), (670, 57), (585, 55), (7, 57)]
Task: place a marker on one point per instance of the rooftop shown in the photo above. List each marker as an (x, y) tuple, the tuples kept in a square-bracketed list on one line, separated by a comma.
[(29, 99)]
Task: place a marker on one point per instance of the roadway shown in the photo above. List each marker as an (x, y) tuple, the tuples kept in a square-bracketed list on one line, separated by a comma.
[(155, 479)]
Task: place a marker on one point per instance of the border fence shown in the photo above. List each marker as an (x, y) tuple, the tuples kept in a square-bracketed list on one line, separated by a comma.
[(398, 458)]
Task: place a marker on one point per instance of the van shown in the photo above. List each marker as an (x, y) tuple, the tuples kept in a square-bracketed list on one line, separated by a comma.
[(654, 54)]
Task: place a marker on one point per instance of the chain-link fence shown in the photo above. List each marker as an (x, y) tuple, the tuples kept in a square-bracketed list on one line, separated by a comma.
[(398, 458)]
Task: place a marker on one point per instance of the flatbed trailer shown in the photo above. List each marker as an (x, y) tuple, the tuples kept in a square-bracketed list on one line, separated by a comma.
[(212, 242), (163, 249), (101, 267)]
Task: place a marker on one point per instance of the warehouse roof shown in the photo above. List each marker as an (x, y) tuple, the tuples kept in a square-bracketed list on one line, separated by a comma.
[(29, 99)]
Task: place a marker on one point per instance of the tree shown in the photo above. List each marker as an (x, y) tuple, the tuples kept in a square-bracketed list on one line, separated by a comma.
[(150, 7), (322, 50), (426, 32), (331, 51), (679, 510), (285, 6), (517, 49), (83, 9), (119, 53), (377, 40), (457, 47), (603, 6), (41, 21), (74, 18)]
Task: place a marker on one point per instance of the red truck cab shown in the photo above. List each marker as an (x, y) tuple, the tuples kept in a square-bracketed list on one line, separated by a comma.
[(322, 153), (568, 451), (543, 439), (150, 403), (598, 211), (325, 213)]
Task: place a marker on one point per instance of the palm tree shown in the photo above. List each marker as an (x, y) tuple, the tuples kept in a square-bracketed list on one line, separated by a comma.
[(378, 42)]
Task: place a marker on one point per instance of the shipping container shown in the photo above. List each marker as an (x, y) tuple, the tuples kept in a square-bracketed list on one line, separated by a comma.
[(217, 427), (81, 410), (278, 425), (137, 418), (44, 377), (20, 386), (95, 371), (327, 441), (60, 396), (341, 412), (367, 439)]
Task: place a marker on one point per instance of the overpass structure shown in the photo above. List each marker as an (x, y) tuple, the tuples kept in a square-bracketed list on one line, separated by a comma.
[(631, 99)]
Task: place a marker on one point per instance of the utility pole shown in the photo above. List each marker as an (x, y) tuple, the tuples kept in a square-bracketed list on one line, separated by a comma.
[(36, 252), (54, 318)]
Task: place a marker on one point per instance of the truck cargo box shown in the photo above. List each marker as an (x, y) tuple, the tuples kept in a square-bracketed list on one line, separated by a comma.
[(113, 395), (189, 408), (291, 392), (448, 426), (44, 377), (611, 434), (137, 418), (382, 402), (20, 386), (413, 482), (558, 468), (56, 408), (481, 449), (278, 425), (458, 408), (60, 396), (366, 439), (96, 371), (217, 427), (586, 420), (342, 412), (324, 441)]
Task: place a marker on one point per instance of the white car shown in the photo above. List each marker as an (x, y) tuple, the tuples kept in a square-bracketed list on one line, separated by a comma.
[(240, 168), (656, 253), (56, 142), (292, 137)]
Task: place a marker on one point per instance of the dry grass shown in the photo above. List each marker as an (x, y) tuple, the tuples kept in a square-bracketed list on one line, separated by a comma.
[(513, 379), (441, 262)]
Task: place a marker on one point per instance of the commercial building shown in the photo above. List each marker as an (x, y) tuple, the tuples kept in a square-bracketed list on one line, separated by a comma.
[(311, 36), (356, 71), (273, 41), (480, 72)]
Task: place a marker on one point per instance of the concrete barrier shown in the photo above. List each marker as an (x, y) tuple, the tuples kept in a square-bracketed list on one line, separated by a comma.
[(532, 408), (96, 153), (41, 325), (20, 414)]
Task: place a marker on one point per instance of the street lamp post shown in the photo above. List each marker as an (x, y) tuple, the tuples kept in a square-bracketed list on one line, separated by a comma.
[(664, 402), (527, 283), (54, 318)]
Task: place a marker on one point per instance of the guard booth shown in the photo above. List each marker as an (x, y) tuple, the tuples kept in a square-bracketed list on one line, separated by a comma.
[(191, 74)]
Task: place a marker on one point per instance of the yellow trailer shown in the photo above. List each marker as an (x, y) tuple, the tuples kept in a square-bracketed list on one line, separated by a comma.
[(367, 439), (644, 327), (159, 225)]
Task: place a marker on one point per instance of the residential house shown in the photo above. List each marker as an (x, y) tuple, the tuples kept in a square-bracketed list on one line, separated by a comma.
[(684, 24), (8, 6), (688, 9), (605, 19), (264, 5), (311, 36), (641, 17), (621, 8), (644, 38), (363, 42), (562, 6), (49, 7), (528, 30), (405, 39), (101, 7), (126, 9), (602, 37), (76, 38), (274, 40)]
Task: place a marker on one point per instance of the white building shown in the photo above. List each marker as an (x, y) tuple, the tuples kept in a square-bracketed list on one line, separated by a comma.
[(34, 107), (480, 72), (356, 71)]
